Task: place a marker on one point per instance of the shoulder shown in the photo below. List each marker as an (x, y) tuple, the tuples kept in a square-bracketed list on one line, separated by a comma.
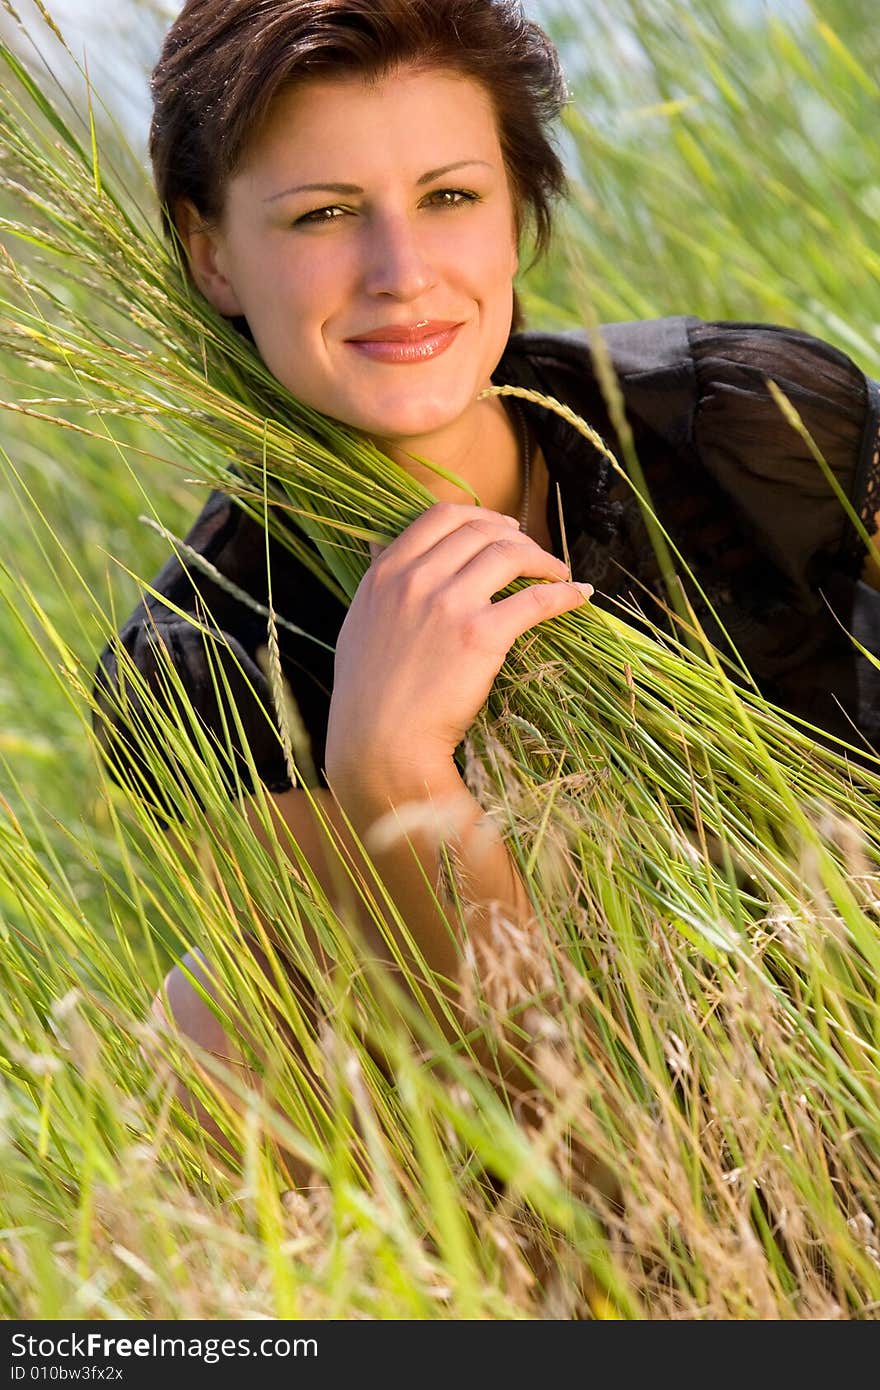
[(635, 346), (674, 373), (640, 348), (652, 361), (700, 392)]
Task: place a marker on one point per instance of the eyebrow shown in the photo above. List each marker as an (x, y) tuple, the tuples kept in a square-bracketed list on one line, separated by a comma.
[(429, 177)]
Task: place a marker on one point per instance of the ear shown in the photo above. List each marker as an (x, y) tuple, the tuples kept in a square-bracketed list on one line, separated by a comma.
[(204, 250)]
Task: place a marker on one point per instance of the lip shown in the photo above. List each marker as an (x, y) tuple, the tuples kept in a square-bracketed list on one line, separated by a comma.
[(405, 332), (410, 343)]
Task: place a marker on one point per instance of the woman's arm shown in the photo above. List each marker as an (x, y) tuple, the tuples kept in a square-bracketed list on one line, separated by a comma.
[(416, 657), (415, 660), (435, 806)]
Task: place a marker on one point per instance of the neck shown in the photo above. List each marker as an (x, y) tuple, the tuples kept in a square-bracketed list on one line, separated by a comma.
[(482, 448)]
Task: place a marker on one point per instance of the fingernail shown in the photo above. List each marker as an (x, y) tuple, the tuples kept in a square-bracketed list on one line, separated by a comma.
[(586, 589), (511, 520)]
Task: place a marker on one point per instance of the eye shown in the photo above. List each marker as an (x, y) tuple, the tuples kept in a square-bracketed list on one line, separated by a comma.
[(461, 196), (319, 216), (442, 198)]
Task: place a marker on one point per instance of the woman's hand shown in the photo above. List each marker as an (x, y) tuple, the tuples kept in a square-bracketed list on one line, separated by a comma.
[(422, 641)]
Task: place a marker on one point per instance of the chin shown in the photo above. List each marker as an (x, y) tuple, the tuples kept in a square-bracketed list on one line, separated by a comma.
[(410, 419), (397, 430)]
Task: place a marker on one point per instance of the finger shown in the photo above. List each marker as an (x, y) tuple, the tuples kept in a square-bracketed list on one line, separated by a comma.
[(511, 617), (376, 548), (457, 551), (502, 560), (440, 521)]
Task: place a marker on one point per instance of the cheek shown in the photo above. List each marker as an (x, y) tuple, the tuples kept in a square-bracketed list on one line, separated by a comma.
[(491, 259), (494, 285), (303, 293), (285, 279), (293, 306)]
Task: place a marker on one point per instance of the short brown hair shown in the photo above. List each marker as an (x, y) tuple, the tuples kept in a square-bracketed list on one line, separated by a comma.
[(224, 61)]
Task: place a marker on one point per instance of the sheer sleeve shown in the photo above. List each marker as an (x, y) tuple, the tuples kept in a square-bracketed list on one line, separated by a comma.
[(748, 507), (193, 645), (760, 460), (813, 602)]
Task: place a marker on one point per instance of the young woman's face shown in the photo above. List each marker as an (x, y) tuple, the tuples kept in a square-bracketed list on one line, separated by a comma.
[(420, 245)]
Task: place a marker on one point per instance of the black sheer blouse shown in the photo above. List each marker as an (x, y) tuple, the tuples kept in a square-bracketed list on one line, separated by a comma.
[(735, 485)]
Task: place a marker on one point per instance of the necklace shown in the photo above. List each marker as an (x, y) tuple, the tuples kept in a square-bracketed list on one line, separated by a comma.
[(527, 461)]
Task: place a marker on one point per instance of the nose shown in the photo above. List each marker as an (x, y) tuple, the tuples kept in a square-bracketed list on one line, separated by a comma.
[(397, 262)]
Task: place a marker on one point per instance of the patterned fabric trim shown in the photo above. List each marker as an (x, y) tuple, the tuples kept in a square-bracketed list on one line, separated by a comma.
[(866, 487)]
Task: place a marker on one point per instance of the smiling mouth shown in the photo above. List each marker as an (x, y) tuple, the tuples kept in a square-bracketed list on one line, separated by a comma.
[(411, 345)]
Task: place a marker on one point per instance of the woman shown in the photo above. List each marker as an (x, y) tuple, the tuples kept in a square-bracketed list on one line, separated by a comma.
[(352, 183)]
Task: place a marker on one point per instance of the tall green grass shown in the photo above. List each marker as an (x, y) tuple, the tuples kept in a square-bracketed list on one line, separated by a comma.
[(695, 1013)]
